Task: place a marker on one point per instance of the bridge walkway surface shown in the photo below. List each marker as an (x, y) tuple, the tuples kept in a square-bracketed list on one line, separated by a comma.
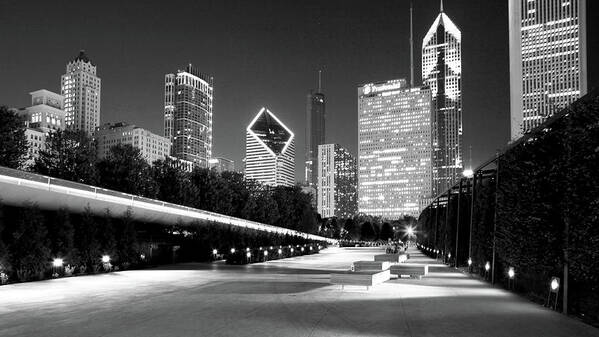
[(291, 297)]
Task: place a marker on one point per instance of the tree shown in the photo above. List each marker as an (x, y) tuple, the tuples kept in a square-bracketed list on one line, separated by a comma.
[(172, 183), (367, 232), (69, 155), (61, 234), (386, 231), (125, 170), (106, 237), (86, 241), (13, 143), (352, 229), (30, 248), (127, 245)]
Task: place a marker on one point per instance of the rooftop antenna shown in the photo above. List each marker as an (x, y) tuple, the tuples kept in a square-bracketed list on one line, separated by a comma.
[(319, 81), (441, 6), (412, 47)]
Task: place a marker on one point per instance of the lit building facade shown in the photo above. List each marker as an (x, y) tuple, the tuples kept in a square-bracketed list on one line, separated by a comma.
[(221, 164), (151, 146), (337, 182), (188, 96), (394, 148), (269, 151), (315, 133), (45, 115), (548, 59), (81, 89), (442, 73)]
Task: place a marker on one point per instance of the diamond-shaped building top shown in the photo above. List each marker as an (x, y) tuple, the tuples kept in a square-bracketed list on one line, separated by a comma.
[(270, 151)]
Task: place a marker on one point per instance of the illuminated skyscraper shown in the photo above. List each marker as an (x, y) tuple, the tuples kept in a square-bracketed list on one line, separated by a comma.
[(315, 132), (442, 73), (188, 115), (269, 151), (394, 148), (548, 61), (337, 182), (81, 90)]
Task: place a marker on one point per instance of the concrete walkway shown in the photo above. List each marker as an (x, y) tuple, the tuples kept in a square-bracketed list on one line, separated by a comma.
[(289, 297)]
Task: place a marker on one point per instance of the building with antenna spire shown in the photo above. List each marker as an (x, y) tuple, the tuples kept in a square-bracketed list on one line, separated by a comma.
[(442, 73), (315, 132)]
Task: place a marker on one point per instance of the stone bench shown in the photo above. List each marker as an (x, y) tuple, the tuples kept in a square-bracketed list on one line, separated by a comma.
[(393, 258), (370, 265), (360, 278), (412, 270)]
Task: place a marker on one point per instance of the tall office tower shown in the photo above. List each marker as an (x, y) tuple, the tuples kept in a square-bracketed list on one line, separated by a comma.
[(81, 90), (315, 132), (548, 60), (394, 148), (269, 151), (222, 164), (188, 115), (151, 146), (337, 182), (45, 115), (442, 73)]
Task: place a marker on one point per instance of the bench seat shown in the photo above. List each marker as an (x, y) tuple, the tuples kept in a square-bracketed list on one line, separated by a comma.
[(360, 278), (393, 258), (371, 265), (412, 270)]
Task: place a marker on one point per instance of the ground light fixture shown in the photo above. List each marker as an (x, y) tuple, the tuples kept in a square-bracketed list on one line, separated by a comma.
[(266, 253), (449, 256), (511, 273), (214, 252), (302, 249), (57, 262), (142, 256), (232, 250), (280, 251), (554, 285), (310, 247), (247, 249), (487, 266), (105, 258), (469, 262), (248, 254)]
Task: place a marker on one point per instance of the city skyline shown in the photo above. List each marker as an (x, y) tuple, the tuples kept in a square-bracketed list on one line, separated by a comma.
[(486, 118)]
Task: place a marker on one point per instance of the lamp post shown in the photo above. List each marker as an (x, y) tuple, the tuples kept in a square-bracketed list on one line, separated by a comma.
[(56, 266)]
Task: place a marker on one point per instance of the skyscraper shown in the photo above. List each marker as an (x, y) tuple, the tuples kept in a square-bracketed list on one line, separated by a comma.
[(315, 132), (188, 115), (81, 89), (337, 182), (442, 73), (269, 151), (548, 61), (394, 148)]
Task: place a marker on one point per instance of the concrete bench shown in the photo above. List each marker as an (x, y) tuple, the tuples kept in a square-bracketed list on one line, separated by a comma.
[(370, 265), (412, 270), (393, 258), (360, 278)]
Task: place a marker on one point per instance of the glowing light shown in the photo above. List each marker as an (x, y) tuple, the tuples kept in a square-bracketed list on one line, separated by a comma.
[(554, 284), (266, 253), (310, 247), (469, 262), (232, 250), (410, 231), (468, 173), (214, 252), (280, 251), (292, 250), (449, 256), (105, 258), (270, 247), (57, 263), (142, 256), (248, 254), (302, 249), (487, 266), (511, 272), (247, 249)]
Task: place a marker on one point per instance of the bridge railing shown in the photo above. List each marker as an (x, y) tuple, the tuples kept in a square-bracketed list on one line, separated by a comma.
[(25, 178)]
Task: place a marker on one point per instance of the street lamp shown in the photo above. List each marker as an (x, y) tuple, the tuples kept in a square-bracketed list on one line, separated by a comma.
[(292, 250), (511, 272), (214, 252), (232, 250), (105, 259), (487, 266), (266, 253), (57, 263), (280, 251), (469, 262)]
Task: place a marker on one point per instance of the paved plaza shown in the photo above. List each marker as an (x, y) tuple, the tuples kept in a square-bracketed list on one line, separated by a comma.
[(290, 297)]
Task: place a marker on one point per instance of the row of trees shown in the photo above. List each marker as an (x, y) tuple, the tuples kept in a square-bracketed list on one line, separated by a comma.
[(71, 155), (366, 228), (542, 213)]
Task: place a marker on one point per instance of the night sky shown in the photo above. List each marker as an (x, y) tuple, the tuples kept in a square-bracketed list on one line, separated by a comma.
[(261, 53)]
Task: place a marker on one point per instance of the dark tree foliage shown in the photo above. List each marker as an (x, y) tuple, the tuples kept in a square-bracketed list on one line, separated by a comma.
[(87, 243), (29, 247), (61, 234), (386, 231), (5, 266), (13, 143), (173, 184), (107, 237), (124, 169), (351, 229), (69, 155), (367, 232), (127, 244)]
